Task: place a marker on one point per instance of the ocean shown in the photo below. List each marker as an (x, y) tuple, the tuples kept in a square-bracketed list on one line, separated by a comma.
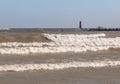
[(64, 56)]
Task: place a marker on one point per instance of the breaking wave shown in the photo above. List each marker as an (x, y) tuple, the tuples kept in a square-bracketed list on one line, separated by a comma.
[(58, 66), (62, 43)]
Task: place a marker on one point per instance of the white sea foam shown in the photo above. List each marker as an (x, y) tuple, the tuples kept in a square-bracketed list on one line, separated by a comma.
[(19, 44), (62, 43), (58, 66)]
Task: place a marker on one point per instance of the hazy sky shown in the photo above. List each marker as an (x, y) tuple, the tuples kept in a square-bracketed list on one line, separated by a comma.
[(59, 13)]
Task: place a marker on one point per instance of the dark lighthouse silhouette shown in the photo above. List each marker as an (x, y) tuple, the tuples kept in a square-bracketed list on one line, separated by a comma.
[(80, 25)]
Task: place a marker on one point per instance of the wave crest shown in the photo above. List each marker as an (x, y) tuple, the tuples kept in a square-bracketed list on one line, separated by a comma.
[(62, 43), (58, 66)]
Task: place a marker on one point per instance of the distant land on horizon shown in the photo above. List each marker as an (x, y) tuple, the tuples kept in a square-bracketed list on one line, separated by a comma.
[(87, 29)]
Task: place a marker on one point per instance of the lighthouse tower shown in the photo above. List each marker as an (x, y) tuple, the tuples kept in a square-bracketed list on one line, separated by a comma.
[(80, 25)]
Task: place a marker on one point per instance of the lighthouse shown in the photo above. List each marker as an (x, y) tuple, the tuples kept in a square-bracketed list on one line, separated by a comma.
[(80, 25)]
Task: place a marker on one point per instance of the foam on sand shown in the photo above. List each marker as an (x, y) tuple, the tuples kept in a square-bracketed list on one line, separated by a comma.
[(58, 66), (62, 43)]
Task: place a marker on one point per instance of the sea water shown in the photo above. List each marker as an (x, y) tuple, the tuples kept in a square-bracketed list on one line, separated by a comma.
[(60, 43)]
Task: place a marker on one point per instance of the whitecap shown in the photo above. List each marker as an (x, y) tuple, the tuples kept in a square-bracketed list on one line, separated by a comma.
[(62, 43), (58, 66)]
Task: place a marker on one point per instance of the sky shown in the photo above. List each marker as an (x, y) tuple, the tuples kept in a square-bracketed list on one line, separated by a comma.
[(59, 13)]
